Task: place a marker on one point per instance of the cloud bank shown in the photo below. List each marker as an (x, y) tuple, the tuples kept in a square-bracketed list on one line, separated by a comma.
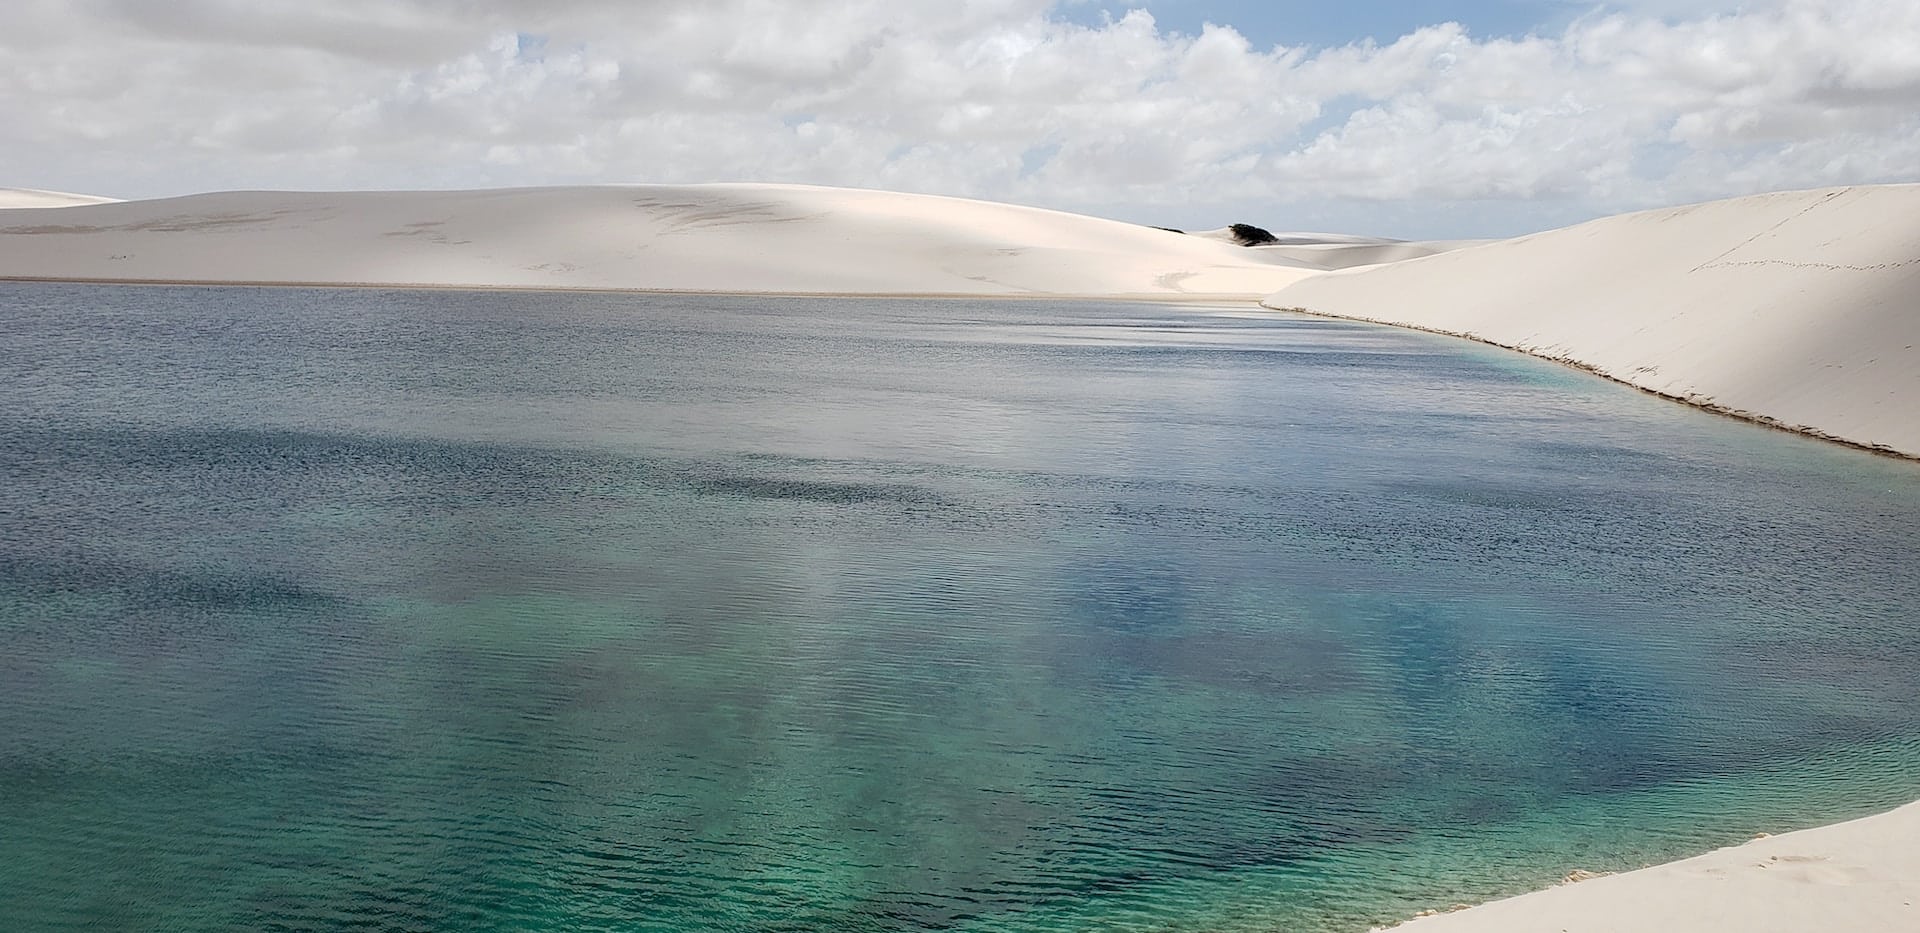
[(1437, 132)]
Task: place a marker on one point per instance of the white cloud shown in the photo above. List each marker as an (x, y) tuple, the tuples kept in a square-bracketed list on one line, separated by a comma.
[(989, 98)]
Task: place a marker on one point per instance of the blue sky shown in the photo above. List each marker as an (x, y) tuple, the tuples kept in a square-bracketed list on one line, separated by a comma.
[(1356, 117), (1268, 23)]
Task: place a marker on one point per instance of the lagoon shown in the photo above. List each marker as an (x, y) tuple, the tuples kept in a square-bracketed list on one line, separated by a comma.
[(446, 610)]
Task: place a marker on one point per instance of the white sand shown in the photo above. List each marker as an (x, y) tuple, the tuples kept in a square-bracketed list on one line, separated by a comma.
[(1328, 251), (1858, 876), (1346, 253), (727, 238), (1801, 308), (30, 198)]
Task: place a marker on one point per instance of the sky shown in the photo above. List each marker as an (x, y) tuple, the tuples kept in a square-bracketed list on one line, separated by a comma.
[(1413, 119)]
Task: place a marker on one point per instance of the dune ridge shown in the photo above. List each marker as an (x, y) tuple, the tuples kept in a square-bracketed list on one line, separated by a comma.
[(1797, 309), (744, 238), (1329, 252), (31, 198)]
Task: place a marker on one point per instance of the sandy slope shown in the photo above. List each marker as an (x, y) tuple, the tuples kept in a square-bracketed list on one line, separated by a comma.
[(1328, 251), (27, 198), (1856, 876), (735, 238), (1802, 307), (1348, 253)]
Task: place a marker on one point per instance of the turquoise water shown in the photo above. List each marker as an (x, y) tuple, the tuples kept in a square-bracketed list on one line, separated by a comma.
[(332, 609)]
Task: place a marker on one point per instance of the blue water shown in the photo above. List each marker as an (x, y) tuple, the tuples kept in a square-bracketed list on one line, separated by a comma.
[(359, 609)]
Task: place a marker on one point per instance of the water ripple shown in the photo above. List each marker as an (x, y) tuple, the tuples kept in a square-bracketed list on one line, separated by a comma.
[(392, 610)]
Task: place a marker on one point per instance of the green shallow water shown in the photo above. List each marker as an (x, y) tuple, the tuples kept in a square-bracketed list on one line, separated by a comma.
[(448, 611)]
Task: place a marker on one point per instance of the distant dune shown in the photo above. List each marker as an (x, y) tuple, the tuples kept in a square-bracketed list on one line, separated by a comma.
[(1349, 252), (28, 198), (724, 238), (1328, 251), (1800, 309)]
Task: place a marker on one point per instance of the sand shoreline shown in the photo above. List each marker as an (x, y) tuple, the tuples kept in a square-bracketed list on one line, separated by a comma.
[(1861, 874), (1706, 405), (1798, 310), (1251, 299)]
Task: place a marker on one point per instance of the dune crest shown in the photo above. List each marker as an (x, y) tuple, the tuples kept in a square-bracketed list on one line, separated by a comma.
[(30, 198), (1799, 309), (749, 238)]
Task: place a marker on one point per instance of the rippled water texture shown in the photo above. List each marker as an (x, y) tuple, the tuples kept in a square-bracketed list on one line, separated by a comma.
[(461, 611)]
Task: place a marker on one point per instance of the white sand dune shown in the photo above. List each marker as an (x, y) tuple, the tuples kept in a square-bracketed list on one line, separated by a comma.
[(29, 198), (1325, 252), (1799, 308), (725, 238), (1862, 875), (1329, 255)]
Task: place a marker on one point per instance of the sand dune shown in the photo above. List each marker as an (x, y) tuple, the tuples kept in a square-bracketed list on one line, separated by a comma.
[(1351, 252), (1799, 308), (1323, 252), (29, 198), (1856, 876), (730, 238)]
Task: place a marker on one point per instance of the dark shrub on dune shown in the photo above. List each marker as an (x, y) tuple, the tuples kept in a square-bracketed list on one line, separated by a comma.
[(1250, 235)]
